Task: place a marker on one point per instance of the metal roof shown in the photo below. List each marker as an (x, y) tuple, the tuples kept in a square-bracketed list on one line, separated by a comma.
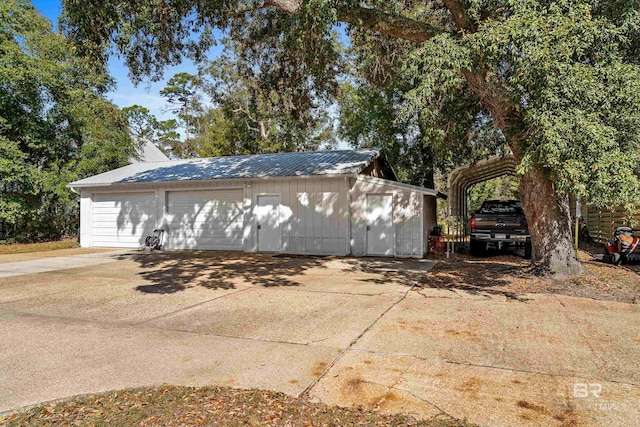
[(464, 177), (149, 153), (338, 162)]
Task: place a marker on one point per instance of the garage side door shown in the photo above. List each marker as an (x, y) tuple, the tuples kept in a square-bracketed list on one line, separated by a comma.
[(122, 220), (205, 219)]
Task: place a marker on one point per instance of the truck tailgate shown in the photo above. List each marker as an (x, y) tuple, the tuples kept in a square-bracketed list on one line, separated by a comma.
[(499, 223)]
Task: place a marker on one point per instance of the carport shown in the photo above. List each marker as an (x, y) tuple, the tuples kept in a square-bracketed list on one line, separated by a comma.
[(462, 178)]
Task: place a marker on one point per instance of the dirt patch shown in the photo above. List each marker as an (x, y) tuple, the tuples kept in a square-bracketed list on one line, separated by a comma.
[(354, 385), (388, 401), (528, 405), (319, 369), (508, 276), (220, 406), (470, 387), (535, 412)]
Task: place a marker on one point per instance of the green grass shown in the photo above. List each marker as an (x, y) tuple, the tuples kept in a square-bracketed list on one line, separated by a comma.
[(22, 248), (218, 406)]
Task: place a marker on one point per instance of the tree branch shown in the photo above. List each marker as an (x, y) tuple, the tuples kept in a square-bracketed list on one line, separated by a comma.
[(504, 110), (373, 19), (459, 15), (491, 91), (392, 25)]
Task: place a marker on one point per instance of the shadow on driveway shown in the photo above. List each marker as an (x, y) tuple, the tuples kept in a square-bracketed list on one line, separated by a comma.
[(479, 276), (174, 271)]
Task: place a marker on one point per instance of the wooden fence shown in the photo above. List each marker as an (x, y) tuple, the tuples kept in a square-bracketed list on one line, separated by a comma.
[(602, 223)]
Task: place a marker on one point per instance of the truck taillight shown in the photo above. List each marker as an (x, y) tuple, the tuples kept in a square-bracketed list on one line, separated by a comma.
[(473, 223)]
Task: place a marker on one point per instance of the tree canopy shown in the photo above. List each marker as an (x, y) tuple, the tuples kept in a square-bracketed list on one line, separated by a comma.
[(55, 125), (555, 81), (254, 98)]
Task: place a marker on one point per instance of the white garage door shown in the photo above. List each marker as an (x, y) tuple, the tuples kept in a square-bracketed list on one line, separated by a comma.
[(122, 220), (205, 219)]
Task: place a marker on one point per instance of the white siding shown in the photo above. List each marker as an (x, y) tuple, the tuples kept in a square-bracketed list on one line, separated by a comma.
[(122, 220), (407, 218), (319, 216), (204, 219), (313, 215), (86, 227)]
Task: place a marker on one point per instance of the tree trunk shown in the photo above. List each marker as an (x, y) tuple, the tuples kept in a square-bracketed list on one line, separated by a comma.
[(547, 212), (549, 221)]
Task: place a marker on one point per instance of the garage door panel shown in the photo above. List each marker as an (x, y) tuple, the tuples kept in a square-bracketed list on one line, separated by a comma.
[(121, 234), (210, 244), (210, 224), (215, 205), (123, 220), (124, 204), (97, 225), (107, 214), (202, 212), (211, 219), (209, 234), (121, 229), (128, 242), (207, 221)]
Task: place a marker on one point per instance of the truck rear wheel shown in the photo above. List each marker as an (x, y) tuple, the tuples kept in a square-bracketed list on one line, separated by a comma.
[(528, 250), (477, 248)]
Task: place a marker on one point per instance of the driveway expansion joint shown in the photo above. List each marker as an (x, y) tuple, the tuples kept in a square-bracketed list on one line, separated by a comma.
[(501, 368), (254, 339), (560, 301), (424, 400), (171, 313), (313, 383), (457, 296), (11, 301), (360, 294), (594, 354), (394, 386), (125, 325)]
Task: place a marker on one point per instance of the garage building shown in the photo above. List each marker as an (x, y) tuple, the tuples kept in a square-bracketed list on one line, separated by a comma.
[(343, 202)]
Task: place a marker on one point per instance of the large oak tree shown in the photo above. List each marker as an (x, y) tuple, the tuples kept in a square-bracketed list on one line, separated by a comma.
[(56, 125), (559, 79)]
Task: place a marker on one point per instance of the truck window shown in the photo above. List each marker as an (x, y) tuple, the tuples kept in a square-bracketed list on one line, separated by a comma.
[(501, 207)]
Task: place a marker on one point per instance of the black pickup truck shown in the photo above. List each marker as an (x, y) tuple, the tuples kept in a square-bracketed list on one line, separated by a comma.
[(499, 223)]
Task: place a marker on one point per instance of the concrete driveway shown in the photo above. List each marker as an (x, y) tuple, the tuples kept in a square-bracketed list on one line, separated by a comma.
[(344, 331)]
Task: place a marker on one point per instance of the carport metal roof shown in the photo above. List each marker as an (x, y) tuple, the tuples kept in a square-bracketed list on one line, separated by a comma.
[(465, 176)]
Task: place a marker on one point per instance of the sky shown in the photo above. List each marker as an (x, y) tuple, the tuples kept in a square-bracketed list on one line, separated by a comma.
[(146, 94)]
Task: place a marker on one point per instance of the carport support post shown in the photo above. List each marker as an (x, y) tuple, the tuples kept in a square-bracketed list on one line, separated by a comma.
[(578, 215), (448, 239)]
